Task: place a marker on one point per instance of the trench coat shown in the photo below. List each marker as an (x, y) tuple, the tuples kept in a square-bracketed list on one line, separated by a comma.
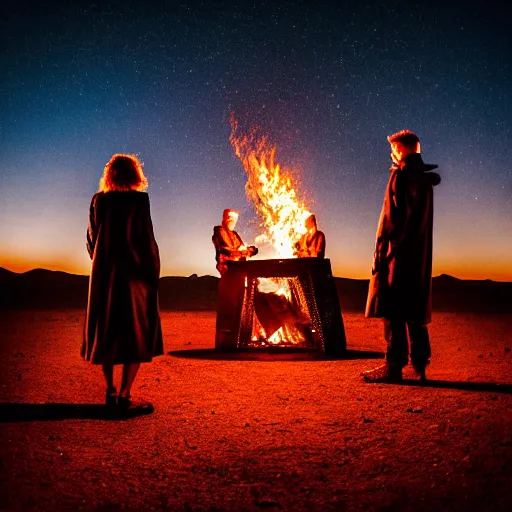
[(401, 282), (122, 322)]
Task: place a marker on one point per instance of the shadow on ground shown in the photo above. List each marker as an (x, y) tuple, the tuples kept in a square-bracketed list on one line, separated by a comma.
[(490, 387), (12, 412), (272, 354)]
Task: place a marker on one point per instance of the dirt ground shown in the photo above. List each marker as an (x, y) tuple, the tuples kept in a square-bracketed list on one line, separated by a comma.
[(256, 431)]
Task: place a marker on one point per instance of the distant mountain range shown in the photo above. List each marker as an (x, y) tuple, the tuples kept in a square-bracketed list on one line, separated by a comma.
[(46, 289)]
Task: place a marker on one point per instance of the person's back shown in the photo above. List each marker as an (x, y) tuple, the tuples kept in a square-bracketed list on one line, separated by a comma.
[(122, 325), (122, 232)]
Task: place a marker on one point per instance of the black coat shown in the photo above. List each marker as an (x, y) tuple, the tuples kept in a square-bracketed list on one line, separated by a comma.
[(400, 286), (123, 322)]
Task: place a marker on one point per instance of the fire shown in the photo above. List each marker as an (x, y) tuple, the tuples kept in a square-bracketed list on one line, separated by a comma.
[(272, 191), (282, 215)]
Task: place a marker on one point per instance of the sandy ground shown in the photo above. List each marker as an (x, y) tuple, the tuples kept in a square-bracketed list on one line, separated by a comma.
[(276, 432)]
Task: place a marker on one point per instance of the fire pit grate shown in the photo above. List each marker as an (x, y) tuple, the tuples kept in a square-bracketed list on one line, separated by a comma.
[(280, 303)]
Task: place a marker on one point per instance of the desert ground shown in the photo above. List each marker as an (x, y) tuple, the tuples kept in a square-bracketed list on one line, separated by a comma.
[(252, 431)]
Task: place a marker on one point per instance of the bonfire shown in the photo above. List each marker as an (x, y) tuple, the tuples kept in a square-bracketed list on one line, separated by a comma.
[(283, 301), (272, 190)]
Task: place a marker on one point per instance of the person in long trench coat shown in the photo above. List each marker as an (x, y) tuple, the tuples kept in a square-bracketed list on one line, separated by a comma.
[(400, 286), (122, 324)]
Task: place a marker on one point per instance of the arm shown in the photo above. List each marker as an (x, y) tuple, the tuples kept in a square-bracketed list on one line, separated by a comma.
[(301, 249), (92, 229), (296, 249), (246, 251), (149, 248), (391, 223), (402, 206)]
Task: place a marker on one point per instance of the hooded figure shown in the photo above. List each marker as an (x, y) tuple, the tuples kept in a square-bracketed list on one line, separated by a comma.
[(312, 243), (400, 286)]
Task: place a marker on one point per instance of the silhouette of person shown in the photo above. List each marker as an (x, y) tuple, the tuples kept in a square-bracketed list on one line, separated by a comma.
[(312, 243), (400, 286), (229, 246), (122, 326)]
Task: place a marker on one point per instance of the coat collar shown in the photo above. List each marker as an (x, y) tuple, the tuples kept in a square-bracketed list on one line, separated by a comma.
[(414, 161)]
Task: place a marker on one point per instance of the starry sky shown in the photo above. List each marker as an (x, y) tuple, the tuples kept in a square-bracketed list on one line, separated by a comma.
[(328, 81)]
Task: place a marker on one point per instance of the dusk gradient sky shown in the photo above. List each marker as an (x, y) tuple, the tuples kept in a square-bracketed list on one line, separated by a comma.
[(328, 81)]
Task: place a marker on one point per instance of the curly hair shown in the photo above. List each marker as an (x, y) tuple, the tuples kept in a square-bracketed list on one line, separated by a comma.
[(122, 174), (406, 137)]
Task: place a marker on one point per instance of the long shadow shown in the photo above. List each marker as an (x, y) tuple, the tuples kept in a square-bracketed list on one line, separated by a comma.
[(12, 412), (490, 387), (275, 354)]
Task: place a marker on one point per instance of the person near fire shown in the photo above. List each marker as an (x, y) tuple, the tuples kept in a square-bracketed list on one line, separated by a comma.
[(122, 324), (229, 246), (400, 286), (312, 243)]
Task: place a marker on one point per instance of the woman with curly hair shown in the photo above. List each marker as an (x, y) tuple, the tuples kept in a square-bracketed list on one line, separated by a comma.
[(123, 323)]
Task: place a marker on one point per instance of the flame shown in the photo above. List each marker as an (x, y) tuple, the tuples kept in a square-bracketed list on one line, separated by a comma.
[(286, 334), (296, 318), (271, 189)]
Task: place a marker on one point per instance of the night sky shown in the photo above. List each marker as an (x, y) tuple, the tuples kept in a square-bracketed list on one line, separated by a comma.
[(328, 81)]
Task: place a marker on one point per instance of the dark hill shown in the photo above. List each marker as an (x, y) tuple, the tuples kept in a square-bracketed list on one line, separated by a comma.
[(188, 293), (45, 289)]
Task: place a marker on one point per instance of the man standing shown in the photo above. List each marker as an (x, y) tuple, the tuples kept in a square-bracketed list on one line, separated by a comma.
[(400, 287), (229, 246), (312, 243)]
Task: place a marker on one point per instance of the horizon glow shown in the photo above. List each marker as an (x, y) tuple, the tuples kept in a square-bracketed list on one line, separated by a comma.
[(328, 84)]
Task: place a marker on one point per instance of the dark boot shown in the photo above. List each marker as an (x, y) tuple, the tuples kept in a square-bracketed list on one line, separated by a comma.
[(111, 397), (386, 374), (419, 369), (128, 407)]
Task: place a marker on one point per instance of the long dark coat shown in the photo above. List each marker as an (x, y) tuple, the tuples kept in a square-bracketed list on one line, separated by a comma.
[(123, 322), (400, 286)]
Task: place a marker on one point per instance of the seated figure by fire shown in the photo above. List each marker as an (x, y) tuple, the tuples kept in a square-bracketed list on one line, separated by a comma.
[(312, 243), (229, 246)]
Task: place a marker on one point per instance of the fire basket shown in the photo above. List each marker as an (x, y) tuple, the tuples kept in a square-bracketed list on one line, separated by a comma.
[(280, 303)]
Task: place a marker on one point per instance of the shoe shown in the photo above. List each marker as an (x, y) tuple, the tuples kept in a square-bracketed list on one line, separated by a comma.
[(384, 374), (419, 369), (111, 397), (128, 407)]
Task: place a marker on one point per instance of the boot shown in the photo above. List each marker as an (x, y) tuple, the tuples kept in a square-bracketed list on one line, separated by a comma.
[(128, 407), (419, 369), (111, 397), (386, 374)]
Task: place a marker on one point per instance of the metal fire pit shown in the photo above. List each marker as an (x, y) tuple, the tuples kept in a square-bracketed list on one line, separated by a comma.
[(314, 301)]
